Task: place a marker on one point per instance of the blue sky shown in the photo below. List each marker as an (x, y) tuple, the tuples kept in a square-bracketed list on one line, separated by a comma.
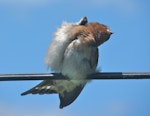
[(26, 29)]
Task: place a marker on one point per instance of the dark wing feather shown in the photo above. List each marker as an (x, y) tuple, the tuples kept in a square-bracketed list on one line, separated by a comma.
[(94, 58)]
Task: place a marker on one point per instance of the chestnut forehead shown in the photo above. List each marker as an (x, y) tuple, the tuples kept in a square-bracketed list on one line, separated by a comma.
[(98, 26)]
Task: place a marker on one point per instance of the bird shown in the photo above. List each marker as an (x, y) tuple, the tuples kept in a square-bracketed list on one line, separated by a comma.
[(73, 53)]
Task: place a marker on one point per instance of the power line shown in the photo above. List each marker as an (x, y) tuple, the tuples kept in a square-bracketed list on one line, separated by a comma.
[(54, 76)]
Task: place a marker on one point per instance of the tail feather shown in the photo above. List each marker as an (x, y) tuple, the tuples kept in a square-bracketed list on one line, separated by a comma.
[(45, 87), (68, 97)]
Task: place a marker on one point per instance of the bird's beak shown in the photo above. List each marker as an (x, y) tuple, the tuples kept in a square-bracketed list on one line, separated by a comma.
[(111, 33)]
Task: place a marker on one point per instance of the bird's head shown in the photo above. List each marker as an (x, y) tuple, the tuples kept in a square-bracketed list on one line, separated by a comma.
[(101, 33)]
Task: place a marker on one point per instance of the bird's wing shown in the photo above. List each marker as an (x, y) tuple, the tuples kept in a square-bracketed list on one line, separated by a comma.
[(79, 61)]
